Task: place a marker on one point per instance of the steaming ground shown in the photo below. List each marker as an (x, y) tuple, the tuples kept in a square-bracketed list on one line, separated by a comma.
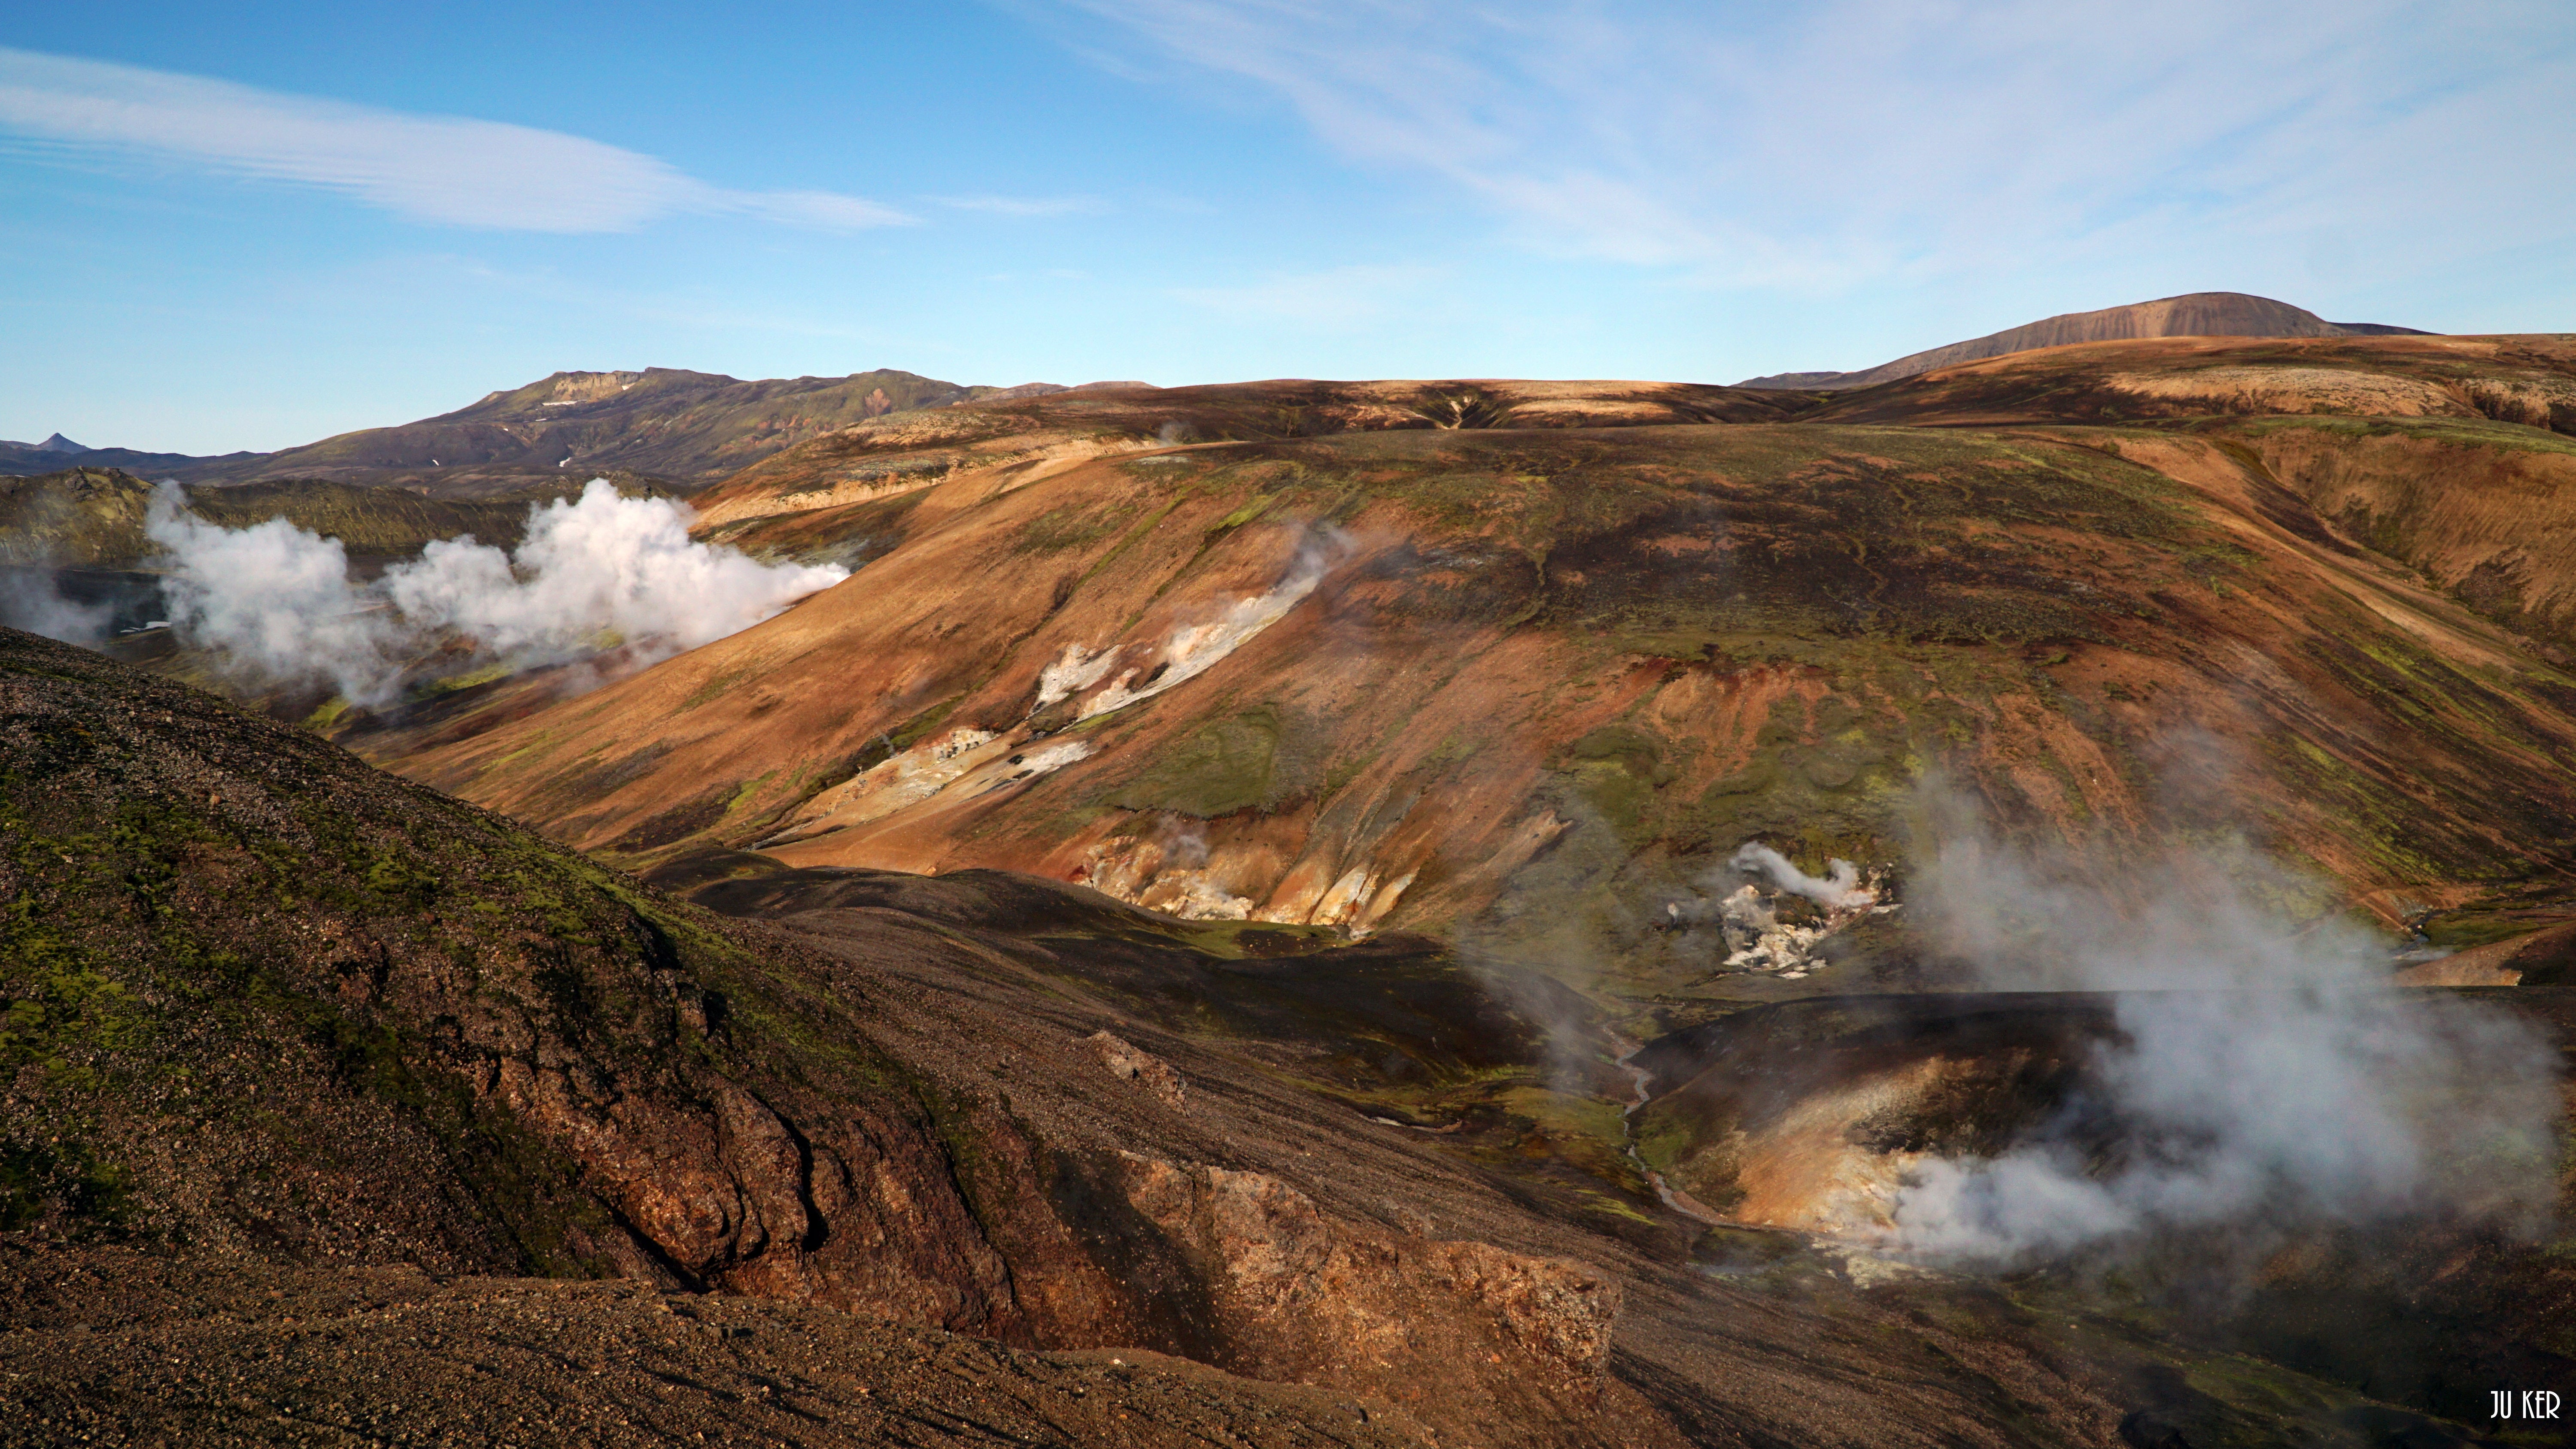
[(967, 762), (1196, 648), (277, 603)]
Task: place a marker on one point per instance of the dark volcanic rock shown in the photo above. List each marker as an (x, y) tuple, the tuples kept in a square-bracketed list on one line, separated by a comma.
[(264, 999)]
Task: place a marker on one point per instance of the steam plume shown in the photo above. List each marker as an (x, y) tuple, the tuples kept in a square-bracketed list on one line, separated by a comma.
[(274, 598), (278, 601), (1840, 888), (2265, 1076), (31, 600)]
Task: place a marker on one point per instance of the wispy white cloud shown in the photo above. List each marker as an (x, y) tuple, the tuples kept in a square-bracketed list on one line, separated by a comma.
[(1828, 144), (826, 210), (1026, 206), (448, 170)]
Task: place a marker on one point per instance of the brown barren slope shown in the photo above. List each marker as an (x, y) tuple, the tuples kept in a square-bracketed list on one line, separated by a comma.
[(1530, 683), (665, 424), (2452, 455), (303, 1058), (1030, 438)]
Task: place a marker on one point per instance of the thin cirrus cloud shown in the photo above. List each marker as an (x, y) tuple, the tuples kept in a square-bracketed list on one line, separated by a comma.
[(1851, 140), (447, 170), (1026, 207)]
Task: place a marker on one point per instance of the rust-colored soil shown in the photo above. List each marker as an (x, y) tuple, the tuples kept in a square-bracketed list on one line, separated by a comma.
[(1529, 682)]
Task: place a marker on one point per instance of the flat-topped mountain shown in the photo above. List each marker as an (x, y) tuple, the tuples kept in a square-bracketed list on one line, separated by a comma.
[(2194, 314)]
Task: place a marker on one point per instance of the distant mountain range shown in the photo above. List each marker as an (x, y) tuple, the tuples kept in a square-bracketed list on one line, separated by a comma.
[(2194, 314), (662, 424), (58, 452), (684, 430)]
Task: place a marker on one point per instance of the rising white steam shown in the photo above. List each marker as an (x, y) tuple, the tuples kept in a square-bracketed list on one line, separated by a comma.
[(278, 601), (1840, 889), (2265, 1077), (274, 598), (30, 600), (604, 562)]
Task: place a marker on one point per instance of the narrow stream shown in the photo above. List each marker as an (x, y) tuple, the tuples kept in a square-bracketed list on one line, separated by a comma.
[(1641, 1083)]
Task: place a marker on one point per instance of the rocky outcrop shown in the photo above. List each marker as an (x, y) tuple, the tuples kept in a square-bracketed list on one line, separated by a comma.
[(1127, 1063), (1303, 1297), (258, 999), (854, 1208)]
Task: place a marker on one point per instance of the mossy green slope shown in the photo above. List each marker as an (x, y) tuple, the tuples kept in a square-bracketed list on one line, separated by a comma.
[(262, 998), (239, 970)]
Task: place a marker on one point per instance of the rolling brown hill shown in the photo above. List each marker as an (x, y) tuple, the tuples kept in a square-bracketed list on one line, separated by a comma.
[(286, 1034), (327, 1092), (659, 427), (94, 517), (667, 424), (880, 457), (2194, 314), (1528, 685), (2453, 455)]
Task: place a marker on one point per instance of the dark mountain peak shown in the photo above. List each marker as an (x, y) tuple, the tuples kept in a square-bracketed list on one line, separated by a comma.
[(60, 444)]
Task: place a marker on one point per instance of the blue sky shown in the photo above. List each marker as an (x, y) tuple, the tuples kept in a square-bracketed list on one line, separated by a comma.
[(255, 225)]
